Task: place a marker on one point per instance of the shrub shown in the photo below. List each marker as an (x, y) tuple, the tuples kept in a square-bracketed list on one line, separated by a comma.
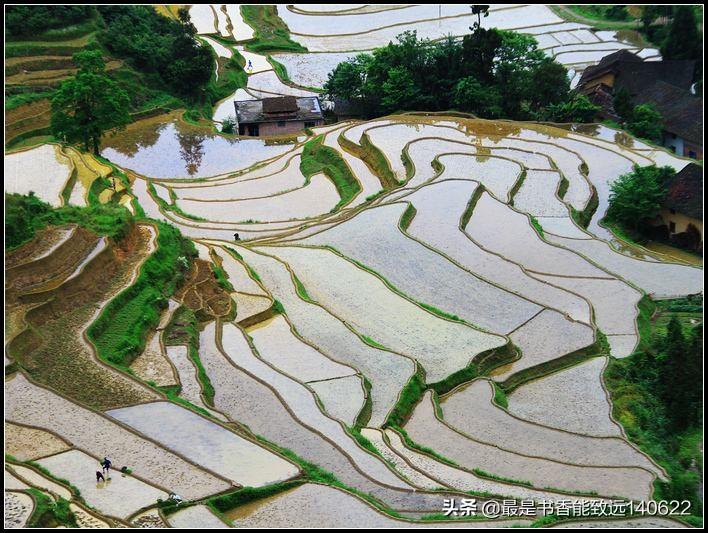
[(637, 196), (645, 122)]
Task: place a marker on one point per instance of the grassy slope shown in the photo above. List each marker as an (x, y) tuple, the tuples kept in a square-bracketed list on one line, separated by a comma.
[(270, 32), (319, 158), (120, 331)]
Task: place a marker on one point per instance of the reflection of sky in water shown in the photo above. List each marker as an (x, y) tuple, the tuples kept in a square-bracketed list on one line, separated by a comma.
[(167, 150)]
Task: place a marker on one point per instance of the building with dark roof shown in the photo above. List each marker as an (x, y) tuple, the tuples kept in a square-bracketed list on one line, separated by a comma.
[(280, 115), (681, 115), (682, 211), (664, 84)]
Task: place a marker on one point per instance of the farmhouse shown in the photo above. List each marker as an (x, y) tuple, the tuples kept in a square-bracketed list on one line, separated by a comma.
[(682, 211), (667, 85), (277, 116)]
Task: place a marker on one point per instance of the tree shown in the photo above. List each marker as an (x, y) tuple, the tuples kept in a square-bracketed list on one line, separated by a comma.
[(166, 49), (22, 218), (89, 104), (651, 12), (489, 72), (680, 388), (684, 40), (645, 122), (347, 79), (617, 12), (549, 84), (473, 97), (37, 19), (636, 197), (576, 109), (622, 102), (399, 91)]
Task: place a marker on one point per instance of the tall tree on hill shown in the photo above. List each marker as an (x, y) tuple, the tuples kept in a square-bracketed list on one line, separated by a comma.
[(684, 41), (89, 104), (622, 102), (680, 387)]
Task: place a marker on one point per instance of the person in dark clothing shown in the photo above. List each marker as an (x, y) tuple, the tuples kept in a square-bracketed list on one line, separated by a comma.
[(236, 237), (106, 464), (99, 476)]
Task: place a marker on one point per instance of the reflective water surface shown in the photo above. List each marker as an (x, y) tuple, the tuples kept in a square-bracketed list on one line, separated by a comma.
[(165, 147)]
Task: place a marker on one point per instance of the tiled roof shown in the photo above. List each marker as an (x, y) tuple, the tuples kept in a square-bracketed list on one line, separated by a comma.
[(286, 108), (685, 192), (635, 75), (681, 112)]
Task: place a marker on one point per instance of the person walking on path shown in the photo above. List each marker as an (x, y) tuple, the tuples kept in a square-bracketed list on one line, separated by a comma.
[(99, 476), (106, 464), (250, 66)]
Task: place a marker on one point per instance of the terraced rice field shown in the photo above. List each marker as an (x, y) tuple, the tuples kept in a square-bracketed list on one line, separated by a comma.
[(204, 442), (330, 35), (118, 496), (366, 340), (27, 171)]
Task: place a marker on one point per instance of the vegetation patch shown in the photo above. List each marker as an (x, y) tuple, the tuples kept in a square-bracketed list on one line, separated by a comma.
[(536, 225), (583, 218), (563, 186), (365, 414), (408, 398), (657, 397), (375, 161), (467, 214), (119, 333), (318, 158), (231, 500), (517, 186), (407, 217), (271, 34), (599, 348), (48, 513), (25, 214), (301, 291), (183, 330), (500, 397)]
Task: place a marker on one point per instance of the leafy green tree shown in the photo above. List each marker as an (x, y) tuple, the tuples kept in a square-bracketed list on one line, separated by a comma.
[(472, 96), (549, 84), (164, 48), (348, 78), (89, 104), (399, 90), (576, 109), (645, 122), (489, 72), (22, 213), (637, 196), (479, 53), (622, 102)]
